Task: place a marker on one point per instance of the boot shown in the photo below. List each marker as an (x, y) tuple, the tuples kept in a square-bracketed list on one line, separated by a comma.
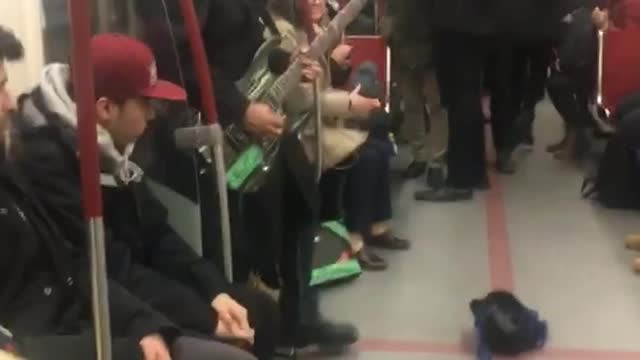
[(575, 147), (632, 242), (635, 265), (505, 163), (552, 148)]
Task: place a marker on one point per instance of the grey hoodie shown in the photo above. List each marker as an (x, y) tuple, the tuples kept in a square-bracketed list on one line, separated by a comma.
[(117, 168)]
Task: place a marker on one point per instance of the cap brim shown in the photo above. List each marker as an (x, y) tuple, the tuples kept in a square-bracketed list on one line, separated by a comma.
[(166, 91)]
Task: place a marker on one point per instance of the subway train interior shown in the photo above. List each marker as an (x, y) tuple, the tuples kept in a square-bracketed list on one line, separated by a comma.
[(320, 179)]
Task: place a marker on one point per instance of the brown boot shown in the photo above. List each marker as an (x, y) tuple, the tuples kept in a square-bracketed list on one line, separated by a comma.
[(635, 265), (552, 148), (632, 242), (563, 150), (575, 147)]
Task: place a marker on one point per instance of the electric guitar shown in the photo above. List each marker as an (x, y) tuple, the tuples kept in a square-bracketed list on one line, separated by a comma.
[(249, 160)]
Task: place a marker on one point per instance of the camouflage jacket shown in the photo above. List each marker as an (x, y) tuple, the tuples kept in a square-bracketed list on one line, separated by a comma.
[(406, 27)]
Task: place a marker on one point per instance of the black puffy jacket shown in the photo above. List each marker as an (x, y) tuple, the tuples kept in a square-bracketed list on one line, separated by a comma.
[(477, 17)]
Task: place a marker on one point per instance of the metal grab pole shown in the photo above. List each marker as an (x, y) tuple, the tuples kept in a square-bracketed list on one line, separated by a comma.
[(305, 9), (80, 14), (317, 90), (104, 15), (213, 138)]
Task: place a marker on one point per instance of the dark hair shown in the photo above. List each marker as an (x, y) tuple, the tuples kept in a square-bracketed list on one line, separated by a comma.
[(10, 47)]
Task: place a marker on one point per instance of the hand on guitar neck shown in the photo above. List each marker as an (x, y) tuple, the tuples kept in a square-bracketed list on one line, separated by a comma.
[(262, 121), (312, 70)]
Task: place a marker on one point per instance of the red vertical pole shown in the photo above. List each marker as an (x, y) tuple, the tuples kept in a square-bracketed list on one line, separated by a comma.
[(80, 14), (85, 99), (215, 137), (201, 63)]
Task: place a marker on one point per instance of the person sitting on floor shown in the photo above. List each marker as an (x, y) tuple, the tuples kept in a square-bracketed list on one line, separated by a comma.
[(144, 253), (45, 307)]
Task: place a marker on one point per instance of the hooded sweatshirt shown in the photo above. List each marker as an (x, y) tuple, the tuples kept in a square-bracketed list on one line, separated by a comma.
[(53, 95)]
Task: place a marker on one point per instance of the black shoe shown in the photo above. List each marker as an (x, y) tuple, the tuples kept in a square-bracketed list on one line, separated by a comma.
[(525, 124), (327, 335), (445, 194), (436, 177), (505, 164), (370, 261), (415, 170), (388, 241)]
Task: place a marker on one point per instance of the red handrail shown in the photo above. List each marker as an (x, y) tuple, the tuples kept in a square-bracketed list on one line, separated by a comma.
[(201, 63), (79, 13)]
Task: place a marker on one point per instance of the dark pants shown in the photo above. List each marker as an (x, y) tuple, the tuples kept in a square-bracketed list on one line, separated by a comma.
[(82, 347), (531, 65), (190, 311), (461, 64), (281, 220), (367, 192), (570, 93), (498, 80)]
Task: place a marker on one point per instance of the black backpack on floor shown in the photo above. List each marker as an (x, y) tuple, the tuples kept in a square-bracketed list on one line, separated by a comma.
[(616, 182)]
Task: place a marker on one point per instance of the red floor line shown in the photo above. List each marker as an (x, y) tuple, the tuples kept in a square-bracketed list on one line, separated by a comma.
[(502, 277), (400, 346), (500, 263), (433, 348)]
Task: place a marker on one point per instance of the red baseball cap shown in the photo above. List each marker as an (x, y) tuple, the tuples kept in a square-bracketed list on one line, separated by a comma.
[(125, 68)]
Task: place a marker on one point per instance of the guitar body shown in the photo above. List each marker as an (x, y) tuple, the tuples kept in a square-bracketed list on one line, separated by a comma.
[(248, 161)]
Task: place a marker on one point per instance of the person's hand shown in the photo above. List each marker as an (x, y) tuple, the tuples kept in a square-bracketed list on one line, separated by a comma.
[(342, 54), (232, 315), (233, 332), (233, 320), (154, 348), (261, 121), (311, 70), (600, 18), (362, 106)]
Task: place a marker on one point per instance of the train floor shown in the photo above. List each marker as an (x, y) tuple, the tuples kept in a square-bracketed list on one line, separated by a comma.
[(531, 233)]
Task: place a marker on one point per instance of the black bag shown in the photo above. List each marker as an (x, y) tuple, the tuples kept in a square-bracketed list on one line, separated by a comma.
[(616, 183), (578, 44)]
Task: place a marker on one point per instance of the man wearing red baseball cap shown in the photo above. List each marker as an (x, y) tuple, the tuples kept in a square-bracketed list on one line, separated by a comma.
[(144, 253)]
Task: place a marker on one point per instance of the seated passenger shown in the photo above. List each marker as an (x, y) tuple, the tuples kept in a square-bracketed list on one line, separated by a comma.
[(144, 253), (45, 307), (346, 138), (571, 82), (367, 195)]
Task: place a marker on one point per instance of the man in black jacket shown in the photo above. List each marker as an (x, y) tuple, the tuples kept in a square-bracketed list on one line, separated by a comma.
[(280, 220), (462, 33), (44, 282), (144, 253)]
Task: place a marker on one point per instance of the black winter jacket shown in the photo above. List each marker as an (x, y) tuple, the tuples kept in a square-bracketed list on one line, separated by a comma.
[(232, 33), (44, 284), (137, 232)]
